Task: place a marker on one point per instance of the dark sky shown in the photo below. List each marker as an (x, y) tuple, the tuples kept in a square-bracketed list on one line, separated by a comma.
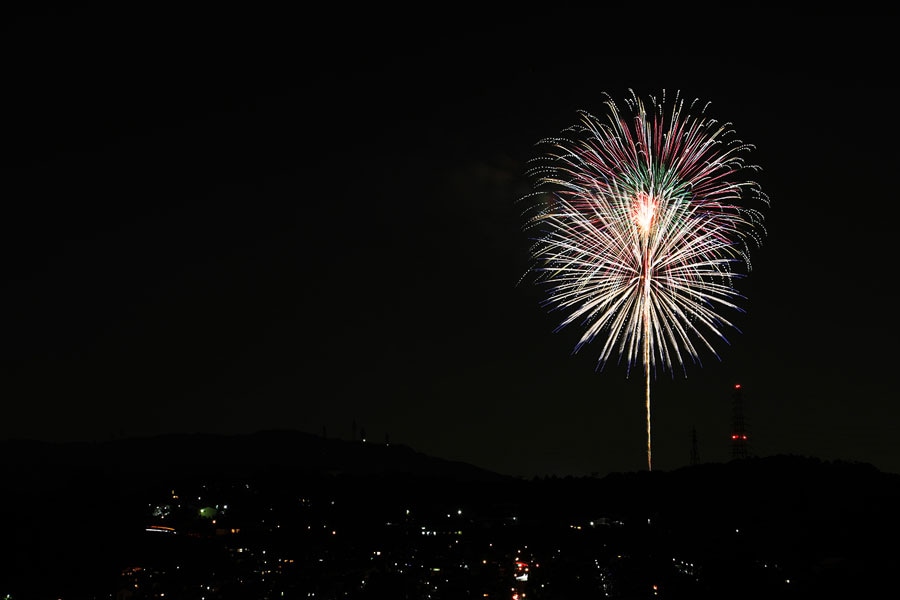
[(224, 221)]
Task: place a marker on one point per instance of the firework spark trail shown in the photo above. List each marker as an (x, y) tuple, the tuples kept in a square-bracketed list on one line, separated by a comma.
[(641, 228)]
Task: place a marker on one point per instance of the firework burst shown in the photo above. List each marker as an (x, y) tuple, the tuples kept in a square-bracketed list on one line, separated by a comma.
[(641, 223)]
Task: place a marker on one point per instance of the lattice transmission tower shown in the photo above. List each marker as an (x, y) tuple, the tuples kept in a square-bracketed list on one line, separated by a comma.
[(740, 437)]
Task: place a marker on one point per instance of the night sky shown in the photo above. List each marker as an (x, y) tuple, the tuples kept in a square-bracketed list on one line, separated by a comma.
[(223, 221)]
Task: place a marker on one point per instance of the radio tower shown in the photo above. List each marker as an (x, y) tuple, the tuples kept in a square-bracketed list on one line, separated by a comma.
[(740, 441), (695, 447)]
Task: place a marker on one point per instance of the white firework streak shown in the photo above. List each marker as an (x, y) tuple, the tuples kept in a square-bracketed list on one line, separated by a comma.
[(642, 231)]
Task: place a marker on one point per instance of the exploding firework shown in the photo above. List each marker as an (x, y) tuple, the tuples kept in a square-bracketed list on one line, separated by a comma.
[(641, 224)]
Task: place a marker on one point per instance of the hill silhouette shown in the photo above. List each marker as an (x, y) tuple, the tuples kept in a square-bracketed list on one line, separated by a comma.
[(209, 455), (82, 507), (777, 488)]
